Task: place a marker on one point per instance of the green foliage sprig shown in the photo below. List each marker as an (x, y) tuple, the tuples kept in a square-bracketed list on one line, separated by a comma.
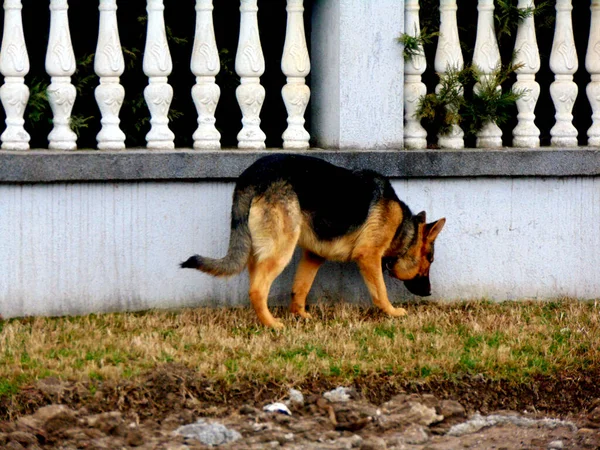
[(413, 45), (489, 102), (442, 108), (448, 106)]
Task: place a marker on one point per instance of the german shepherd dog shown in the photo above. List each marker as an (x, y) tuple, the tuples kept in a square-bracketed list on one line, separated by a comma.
[(284, 201)]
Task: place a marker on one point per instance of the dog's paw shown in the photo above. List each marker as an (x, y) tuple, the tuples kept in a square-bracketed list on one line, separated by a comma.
[(301, 313), (398, 312), (277, 324)]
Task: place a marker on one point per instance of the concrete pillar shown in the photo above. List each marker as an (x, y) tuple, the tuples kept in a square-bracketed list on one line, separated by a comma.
[(357, 76)]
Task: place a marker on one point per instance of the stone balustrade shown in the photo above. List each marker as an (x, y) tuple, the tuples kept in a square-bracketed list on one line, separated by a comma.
[(296, 66), (563, 63), (157, 66)]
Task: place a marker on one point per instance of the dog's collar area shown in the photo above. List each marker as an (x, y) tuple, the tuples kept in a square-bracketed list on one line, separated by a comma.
[(389, 262)]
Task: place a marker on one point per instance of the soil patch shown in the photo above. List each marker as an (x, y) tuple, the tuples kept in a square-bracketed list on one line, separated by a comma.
[(381, 412)]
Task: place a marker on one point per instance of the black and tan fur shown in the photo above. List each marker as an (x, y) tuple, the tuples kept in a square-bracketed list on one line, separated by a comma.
[(284, 201)]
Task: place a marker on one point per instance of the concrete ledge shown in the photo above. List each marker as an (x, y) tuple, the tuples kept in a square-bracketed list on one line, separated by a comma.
[(43, 166)]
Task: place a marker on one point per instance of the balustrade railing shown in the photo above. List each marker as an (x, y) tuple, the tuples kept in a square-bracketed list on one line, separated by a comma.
[(562, 60), (157, 66), (250, 65)]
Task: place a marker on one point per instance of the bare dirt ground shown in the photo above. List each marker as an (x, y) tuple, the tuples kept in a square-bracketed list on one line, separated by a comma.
[(379, 413)]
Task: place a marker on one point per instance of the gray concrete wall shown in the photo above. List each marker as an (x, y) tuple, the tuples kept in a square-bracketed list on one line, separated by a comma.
[(78, 247), (357, 79)]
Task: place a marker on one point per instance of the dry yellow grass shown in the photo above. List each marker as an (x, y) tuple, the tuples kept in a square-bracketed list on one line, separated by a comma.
[(506, 340)]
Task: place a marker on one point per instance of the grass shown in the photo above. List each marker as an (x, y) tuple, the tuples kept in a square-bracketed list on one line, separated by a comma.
[(513, 341)]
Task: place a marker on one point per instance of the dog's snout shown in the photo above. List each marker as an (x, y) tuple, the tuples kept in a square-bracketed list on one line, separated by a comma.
[(419, 286)]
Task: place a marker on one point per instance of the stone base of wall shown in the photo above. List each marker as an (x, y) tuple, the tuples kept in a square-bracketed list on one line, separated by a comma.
[(76, 246)]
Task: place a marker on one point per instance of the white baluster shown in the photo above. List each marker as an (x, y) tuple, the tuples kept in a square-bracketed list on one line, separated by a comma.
[(250, 65), (60, 65), (526, 134), (109, 66), (563, 63), (486, 58), (415, 135), (592, 64), (205, 66), (14, 65), (157, 67), (448, 55), (295, 64)]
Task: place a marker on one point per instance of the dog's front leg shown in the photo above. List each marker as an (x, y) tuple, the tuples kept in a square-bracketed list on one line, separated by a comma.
[(305, 275), (370, 268)]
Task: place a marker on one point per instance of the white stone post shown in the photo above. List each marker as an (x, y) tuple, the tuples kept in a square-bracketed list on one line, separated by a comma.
[(415, 136), (448, 55), (60, 65), (357, 74), (14, 65), (592, 65), (295, 64), (250, 65), (109, 66), (205, 66), (157, 67), (526, 134), (563, 63), (486, 58)]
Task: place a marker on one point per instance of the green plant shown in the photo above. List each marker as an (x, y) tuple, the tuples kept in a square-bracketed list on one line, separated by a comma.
[(508, 16), (413, 45), (488, 103), (441, 109)]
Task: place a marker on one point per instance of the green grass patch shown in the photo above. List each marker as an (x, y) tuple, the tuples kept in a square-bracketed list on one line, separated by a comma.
[(509, 341)]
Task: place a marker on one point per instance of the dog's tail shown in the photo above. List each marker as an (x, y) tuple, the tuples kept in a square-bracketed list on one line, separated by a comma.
[(240, 243)]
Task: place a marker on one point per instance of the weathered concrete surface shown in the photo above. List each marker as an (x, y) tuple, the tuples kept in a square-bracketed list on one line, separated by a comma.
[(357, 78), (83, 247), (134, 165)]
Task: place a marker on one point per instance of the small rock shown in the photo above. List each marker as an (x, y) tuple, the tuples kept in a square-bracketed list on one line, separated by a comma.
[(134, 438), (556, 445), (373, 443), (416, 435), (49, 412), (54, 418), (13, 445), (248, 410), (338, 395), (295, 398), (209, 433), (277, 408), (451, 409), (110, 423), (410, 413), (22, 438)]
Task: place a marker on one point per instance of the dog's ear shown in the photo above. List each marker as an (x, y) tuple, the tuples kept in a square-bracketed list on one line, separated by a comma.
[(421, 217), (434, 228)]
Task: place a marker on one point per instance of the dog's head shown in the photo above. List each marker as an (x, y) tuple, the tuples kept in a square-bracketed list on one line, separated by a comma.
[(410, 261)]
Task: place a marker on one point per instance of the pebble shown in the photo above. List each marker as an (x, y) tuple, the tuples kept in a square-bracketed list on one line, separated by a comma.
[(338, 395), (209, 433), (556, 445), (277, 408)]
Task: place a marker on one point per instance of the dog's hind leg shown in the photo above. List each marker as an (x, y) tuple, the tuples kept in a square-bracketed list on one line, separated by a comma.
[(370, 268), (262, 274), (275, 228), (305, 275)]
